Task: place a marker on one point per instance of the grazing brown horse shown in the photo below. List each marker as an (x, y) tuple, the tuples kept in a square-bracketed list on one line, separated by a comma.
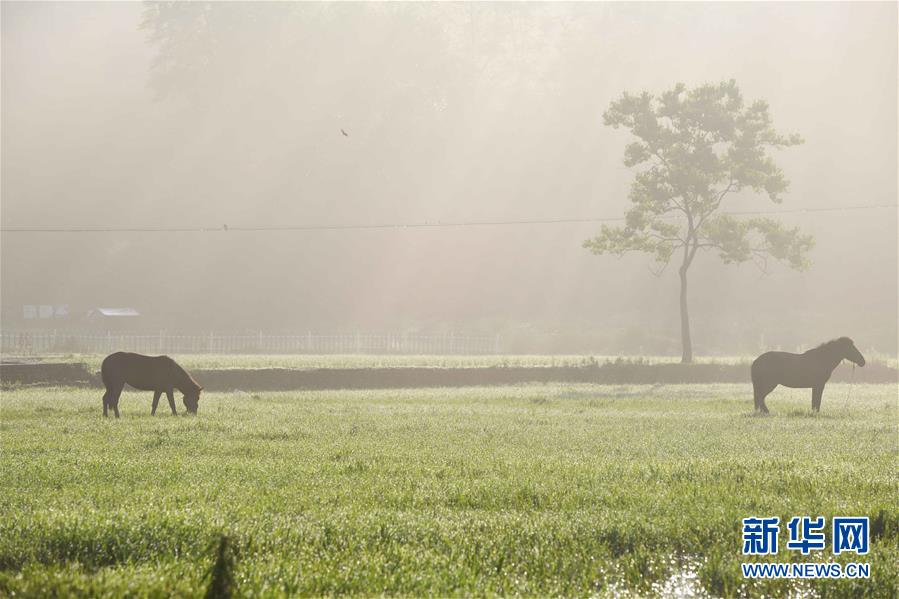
[(159, 374), (809, 370)]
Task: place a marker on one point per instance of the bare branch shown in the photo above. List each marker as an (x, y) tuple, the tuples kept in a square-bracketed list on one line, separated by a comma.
[(661, 269)]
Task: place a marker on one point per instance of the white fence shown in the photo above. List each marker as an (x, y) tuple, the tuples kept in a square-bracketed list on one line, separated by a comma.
[(43, 342)]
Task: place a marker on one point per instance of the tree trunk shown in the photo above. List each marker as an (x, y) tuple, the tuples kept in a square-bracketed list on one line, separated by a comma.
[(686, 342)]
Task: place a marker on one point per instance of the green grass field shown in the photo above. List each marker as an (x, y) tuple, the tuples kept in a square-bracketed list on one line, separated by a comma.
[(531, 490)]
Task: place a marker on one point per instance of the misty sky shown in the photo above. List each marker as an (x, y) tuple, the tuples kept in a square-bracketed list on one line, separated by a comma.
[(151, 116)]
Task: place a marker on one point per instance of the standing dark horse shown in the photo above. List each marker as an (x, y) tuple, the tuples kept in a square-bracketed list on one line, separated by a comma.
[(809, 370), (159, 374)]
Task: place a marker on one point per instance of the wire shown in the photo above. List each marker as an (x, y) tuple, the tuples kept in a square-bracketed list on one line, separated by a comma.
[(413, 225)]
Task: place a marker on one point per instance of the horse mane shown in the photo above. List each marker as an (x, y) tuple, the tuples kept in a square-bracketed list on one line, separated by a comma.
[(832, 343), (838, 340), (197, 386), (184, 375)]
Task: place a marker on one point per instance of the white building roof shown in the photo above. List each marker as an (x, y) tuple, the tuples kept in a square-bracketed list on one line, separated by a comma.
[(117, 311)]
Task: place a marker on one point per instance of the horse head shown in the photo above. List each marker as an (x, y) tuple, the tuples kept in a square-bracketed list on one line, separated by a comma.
[(849, 352), (191, 400)]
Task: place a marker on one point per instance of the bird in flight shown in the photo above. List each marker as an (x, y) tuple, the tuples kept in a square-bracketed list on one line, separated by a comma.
[(345, 134)]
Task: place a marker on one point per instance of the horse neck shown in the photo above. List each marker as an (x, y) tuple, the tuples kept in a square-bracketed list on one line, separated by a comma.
[(183, 381), (831, 355)]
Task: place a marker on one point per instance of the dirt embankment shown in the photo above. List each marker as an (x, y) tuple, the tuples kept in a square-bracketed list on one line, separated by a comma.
[(45, 373), (282, 379)]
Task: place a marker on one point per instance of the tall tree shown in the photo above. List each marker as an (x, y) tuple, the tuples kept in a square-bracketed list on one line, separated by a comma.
[(695, 148)]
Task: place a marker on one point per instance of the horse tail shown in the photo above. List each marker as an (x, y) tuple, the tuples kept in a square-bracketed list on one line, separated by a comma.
[(109, 372), (754, 370), (105, 367)]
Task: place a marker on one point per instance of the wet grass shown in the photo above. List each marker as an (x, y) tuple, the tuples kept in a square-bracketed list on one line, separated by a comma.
[(568, 490)]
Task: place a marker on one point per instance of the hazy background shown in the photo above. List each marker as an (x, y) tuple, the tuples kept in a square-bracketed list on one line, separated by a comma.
[(200, 116)]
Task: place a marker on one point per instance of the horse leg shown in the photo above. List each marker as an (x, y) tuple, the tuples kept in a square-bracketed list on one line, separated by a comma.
[(111, 397), (759, 393), (817, 392), (762, 406), (171, 399), (764, 393), (114, 402), (156, 396)]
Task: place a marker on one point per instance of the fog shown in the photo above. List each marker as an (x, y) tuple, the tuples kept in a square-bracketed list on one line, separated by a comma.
[(309, 116)]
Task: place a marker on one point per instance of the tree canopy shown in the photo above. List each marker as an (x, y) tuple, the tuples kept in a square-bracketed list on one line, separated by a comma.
[(697, 147)]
